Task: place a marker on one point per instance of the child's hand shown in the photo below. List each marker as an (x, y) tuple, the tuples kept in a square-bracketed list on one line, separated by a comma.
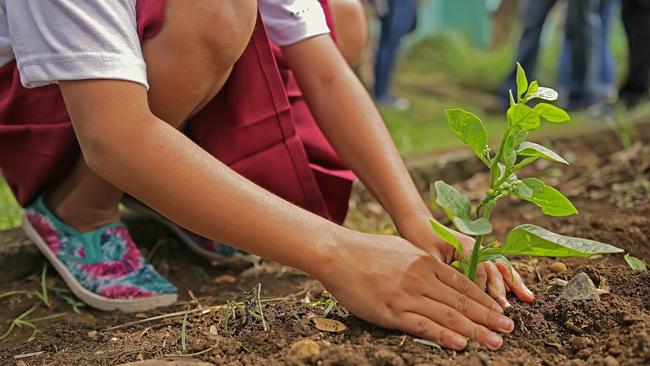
[(495, 278), (387, 281)]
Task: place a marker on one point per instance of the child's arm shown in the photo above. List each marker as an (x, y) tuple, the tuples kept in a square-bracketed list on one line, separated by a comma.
[(397, 286), (351, 122)]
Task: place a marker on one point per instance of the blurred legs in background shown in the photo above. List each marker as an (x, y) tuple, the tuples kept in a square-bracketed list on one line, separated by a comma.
[(606, 70), (584, 34), (636, 20), (398, 20), (533, 18)]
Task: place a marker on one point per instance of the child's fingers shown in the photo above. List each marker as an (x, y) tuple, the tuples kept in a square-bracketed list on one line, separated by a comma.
[(496, 285), (423, 327), (481, 276), (516, 284), (450, 277)]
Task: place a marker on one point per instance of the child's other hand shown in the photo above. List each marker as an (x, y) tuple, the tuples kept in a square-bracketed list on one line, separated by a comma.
[(389, 282), (490, 277)]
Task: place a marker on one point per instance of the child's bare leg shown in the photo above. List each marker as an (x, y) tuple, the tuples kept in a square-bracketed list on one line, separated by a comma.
[(351, 28), (188, 62)]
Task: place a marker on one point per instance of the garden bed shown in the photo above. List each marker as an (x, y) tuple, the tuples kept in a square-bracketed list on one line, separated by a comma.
[(608, 185)]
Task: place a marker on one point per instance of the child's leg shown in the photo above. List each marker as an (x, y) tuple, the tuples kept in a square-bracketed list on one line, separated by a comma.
[(188, 62), (351, 28)]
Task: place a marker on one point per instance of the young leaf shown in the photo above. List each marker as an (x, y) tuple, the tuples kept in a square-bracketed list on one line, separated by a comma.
[(521, 116), (536, 241), (532, 149), (453, 202), (545, 94), (467, 226), (549, 199), (513, 140), (522, 81), (468, 128), (552, 113), (636, 264), (532, 89), (458, 208), (447, 236)]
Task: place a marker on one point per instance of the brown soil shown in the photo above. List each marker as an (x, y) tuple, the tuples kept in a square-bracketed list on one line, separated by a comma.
[(609, 187)]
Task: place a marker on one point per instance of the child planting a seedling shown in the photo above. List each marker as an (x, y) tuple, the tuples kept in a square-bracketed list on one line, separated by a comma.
[(94, 96), (513, 154)]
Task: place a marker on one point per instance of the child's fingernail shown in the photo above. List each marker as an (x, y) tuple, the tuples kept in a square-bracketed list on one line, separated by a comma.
[(528, 292), (459, 343), (497, 307), (494, 341)]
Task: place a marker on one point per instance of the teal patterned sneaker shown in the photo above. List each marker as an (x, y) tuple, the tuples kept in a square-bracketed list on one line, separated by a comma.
[(214, 251), (103, 268)]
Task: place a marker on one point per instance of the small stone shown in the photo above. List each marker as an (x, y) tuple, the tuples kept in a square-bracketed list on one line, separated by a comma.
[(329, 325), (580, 287), (21, 363), (558, 267), (92, 334), (484, 357), (304, 350), (214, 330), (611, 361)]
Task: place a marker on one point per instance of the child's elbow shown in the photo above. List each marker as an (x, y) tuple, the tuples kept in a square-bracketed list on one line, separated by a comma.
[(97, 151)]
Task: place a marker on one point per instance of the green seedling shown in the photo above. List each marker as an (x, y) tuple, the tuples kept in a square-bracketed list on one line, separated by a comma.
[(636, 264), (513, 154)]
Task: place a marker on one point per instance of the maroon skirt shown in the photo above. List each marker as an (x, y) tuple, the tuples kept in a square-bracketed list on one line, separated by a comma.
[(259, 125)]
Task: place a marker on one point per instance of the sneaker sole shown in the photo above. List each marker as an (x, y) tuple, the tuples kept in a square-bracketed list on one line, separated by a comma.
[(89, 298), (182, 235)]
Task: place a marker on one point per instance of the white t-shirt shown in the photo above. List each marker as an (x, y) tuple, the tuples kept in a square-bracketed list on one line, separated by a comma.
[(54, 40)]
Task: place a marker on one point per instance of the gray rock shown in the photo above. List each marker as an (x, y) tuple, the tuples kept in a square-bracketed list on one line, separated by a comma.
[(580, 287)]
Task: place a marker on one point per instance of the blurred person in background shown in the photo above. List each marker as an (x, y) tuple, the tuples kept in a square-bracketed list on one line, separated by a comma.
[(605, 69), (636, 20), (398, 18), (349, 19), (582, 30)]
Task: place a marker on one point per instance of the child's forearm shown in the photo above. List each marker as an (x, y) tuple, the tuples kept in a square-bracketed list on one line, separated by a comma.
[(149, 159), (352, 124)]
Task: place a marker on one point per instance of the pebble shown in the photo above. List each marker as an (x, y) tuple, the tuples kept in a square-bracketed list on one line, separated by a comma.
[(580, 287), (558, 267), (579, 343), (329, 325), (304, 350), (92, 334), (21, 363), (611, 361)]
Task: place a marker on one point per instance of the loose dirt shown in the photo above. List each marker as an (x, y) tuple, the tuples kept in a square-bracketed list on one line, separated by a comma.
[(609, 186)]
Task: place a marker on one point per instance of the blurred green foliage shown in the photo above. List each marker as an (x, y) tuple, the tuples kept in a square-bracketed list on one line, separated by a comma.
[(10, 212)]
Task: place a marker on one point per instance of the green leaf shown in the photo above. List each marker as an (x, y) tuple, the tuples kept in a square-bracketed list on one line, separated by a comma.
[(513, 140), (636, 264), (481, 226), (458, 208), (545, 94), (452, 201), (523, 191), (522, 81), (521, 116), (552, 113), (457, 265), (532, 149), (532, 89), (468, 128), (549, 199), (447, 236), (535, 241)]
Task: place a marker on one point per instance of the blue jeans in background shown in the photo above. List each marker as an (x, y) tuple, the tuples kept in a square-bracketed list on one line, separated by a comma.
[(605, 79), (582, 27), (395, 24)]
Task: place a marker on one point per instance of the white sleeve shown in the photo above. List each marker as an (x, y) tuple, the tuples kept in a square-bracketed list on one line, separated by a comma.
[(56, 40), (291, 21)]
